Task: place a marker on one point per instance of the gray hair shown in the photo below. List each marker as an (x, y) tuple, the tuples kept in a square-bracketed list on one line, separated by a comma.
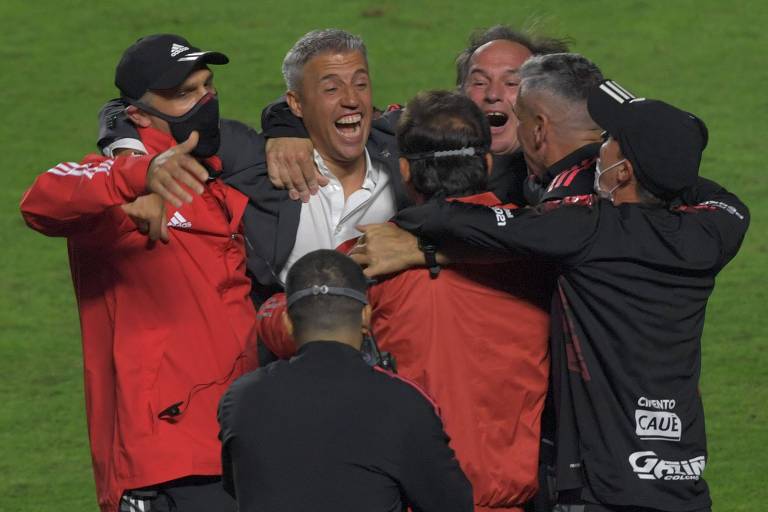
[(314, 43), (569, 76)]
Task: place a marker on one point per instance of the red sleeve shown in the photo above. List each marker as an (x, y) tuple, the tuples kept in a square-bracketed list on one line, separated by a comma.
[(61, 199), (271, 330)]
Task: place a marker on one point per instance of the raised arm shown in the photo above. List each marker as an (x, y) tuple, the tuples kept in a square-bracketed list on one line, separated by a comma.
[(720, 213), (560, 231), (64, 198)]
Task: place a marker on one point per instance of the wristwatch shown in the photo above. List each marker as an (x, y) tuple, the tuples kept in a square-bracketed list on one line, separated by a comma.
[(430, 256)]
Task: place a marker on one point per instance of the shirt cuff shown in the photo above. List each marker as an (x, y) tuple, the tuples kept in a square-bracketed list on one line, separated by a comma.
[(133, 144)]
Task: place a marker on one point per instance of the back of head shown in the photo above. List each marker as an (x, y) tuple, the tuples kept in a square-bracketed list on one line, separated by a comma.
[(445, 137), (537, 45), (314, 43), (565, 80), (321, 310), (566, 75)]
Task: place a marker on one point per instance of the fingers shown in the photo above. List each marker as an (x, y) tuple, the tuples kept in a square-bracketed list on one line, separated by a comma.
[(158, 230), (164, 237), (172, 192), (148, 213), (194, 175), (163, 220), (360, 258), (154, 229), (274, 171), (142, 225), (309, 175), (172, 169), (188, 145), (158, 224), (291, 166)]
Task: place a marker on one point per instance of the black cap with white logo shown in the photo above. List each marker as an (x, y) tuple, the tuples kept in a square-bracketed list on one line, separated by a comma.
[(663, 142), (160, 61)]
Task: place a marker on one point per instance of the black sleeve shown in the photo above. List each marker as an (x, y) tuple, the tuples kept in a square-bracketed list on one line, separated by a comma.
[(387, 122), (721, 213), (556, 231), (277, 121), (431, 478), (114, 124), (241, 152), (226, 436)]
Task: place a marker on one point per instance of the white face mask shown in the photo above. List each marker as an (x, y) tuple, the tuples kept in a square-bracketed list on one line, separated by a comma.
[(605, 194)]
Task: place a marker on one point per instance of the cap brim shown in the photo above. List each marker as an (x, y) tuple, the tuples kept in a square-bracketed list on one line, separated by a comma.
[(184, 66)]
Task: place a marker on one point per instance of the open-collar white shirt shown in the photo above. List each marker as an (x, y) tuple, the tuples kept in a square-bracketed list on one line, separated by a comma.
[(328, 220)]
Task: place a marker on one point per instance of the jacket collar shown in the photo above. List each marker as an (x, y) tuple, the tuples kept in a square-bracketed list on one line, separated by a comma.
[(328, 347), (581, 156)]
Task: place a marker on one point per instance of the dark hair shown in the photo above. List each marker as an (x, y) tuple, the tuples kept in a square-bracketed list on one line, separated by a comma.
[(325, 312), (440, 121), (537, 45)]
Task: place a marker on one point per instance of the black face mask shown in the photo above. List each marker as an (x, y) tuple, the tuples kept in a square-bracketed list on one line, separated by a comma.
[(203, 118)]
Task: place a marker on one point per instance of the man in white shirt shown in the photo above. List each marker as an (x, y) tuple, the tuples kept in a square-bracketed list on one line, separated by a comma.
[(329, 218), (328, 86)]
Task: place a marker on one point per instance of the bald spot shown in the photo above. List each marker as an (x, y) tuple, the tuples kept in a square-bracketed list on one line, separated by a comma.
[(499, 54)]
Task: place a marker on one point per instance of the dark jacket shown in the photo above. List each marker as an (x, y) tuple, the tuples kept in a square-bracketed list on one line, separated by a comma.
[(271, 218), (340, 435), (573, 175), (626, 329)]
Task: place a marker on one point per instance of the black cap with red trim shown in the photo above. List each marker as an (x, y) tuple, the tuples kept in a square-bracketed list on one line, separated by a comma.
[(663, 142), (160, 61)]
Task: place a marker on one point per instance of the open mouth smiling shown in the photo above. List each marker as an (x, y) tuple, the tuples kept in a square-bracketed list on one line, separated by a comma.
[(497, 119), (349, 125)]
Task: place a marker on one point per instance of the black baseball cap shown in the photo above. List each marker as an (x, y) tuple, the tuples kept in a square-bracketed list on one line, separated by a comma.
[(663, 142), (160, 61)]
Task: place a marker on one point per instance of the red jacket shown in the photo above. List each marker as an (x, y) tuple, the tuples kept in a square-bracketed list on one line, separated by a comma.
[(476, 339), (160, 323)]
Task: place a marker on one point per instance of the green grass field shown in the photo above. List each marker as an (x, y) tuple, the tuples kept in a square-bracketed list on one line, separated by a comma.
[(58, 59)]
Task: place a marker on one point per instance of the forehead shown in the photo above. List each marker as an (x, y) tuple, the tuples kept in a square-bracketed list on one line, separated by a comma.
[(500, 55), (195, 78), (328, 64)]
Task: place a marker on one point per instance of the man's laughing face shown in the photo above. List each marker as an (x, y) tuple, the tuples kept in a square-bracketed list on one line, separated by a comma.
[(336, 105), (492, 84)]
